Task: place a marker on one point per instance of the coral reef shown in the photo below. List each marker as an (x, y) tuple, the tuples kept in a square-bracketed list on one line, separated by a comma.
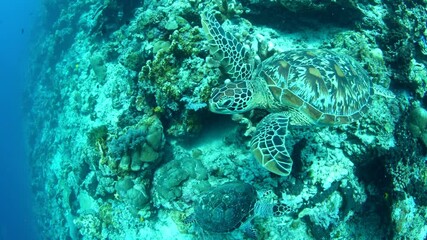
[(418, 122), (139, 145), (133, 192), (122, 144), (171, 178)]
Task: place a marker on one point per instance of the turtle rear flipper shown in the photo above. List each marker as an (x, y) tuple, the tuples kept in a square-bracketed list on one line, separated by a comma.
[(382, 91), (226, 49), (268, 144)]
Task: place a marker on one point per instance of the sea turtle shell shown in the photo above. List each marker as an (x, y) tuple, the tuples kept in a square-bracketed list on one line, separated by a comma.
[(226, 207), (327, 87)]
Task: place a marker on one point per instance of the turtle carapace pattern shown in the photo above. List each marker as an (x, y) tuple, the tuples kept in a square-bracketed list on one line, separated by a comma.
[(226, 207)]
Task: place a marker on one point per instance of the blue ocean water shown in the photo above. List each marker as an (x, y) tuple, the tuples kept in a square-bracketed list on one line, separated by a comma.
[(16, 21)]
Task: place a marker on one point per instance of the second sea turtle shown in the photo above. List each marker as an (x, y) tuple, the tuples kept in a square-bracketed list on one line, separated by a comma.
[(231, 205)]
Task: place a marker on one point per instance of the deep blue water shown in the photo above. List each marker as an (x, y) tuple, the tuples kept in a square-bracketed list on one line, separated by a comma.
[(16, 20)]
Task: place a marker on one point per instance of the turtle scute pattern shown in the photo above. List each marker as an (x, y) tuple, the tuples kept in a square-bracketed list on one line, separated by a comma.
[(327, 87), (268, 144), (226, 207), (225, 48)]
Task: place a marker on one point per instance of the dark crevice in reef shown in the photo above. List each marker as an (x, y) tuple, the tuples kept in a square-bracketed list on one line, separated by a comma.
[(280, 18), (377, 205)]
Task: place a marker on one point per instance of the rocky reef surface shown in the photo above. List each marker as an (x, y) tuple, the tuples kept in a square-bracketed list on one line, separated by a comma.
[(122, 144)]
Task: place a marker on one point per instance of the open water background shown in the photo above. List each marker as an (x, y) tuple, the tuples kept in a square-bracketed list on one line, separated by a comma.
[(17, 19)]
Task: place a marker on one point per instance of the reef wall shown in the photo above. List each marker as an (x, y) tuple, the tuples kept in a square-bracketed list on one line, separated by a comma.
[(122, 143)]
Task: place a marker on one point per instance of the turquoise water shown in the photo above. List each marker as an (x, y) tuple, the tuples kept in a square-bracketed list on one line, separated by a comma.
[(16, 22), (118, 125)]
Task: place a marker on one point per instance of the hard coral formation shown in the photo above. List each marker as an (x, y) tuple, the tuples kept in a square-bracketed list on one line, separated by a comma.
[(139, 145), (176, 71), (134, 192), (171, 178), (418, 77), (98, 65), (409, 219), (418, 123)]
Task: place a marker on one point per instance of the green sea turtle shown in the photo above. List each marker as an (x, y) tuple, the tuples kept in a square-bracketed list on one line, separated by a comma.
[(297, 87), (231, 205)]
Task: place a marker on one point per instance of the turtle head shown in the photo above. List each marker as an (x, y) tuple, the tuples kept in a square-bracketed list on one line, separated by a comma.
[(232, 97)]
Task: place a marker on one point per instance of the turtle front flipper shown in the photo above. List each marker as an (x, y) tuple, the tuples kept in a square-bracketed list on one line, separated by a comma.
[(226, 49), (268, 144)]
